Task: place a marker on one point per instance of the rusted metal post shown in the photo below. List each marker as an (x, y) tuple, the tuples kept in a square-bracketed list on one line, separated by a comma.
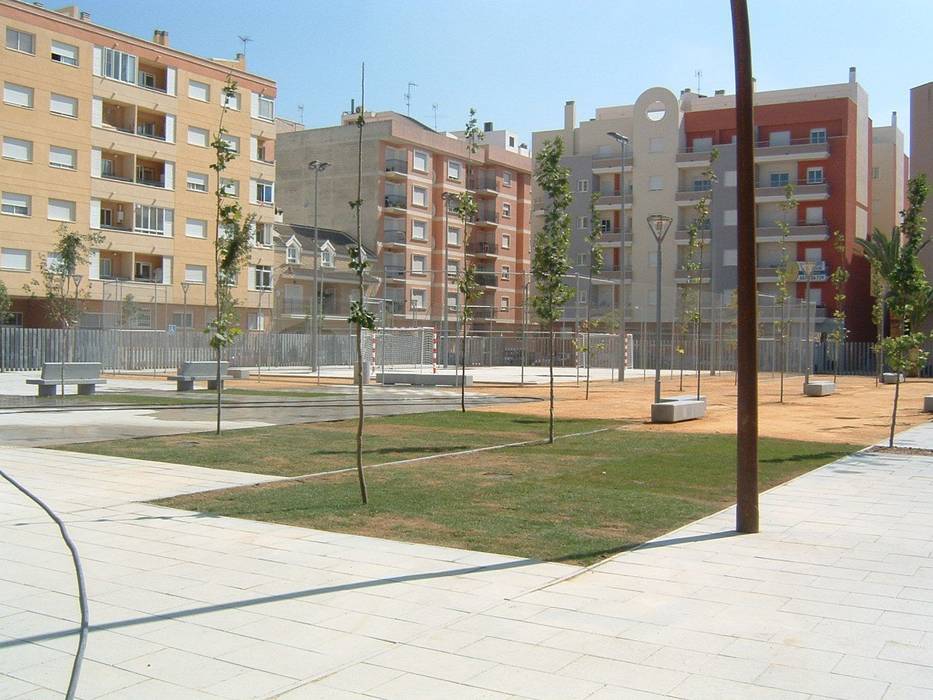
[(746, 516)]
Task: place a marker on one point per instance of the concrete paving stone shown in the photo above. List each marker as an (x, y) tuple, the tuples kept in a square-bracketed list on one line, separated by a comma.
[(23, 655), (313, 691), (886, 670), (446, 639), (643, 676), (533, 684), (716, 665), (359, 678), (96, 679), (699, 687), (849, 613), (898, 691), (531, 656), (182, 668), (516, 630), (411, 686), (280, 659), (251, 684), (675, 637), (14, 687), (437, 664), (581, 622), (369, 625), (152, 689), (782, 654), (834, 685), (602, 646)]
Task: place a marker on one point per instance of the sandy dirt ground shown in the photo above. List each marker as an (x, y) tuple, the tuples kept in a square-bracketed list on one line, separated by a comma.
[(858, 413)]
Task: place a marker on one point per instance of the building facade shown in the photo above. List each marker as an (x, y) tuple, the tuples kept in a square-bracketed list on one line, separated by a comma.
[(408, 169), (817, 139), (921, 159), (889, 172), (106, 132)]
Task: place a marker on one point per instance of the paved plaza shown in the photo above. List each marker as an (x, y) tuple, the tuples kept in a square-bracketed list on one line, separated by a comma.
[(834, 599)]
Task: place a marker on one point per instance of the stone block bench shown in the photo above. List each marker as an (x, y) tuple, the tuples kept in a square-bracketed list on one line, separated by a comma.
[(821, 388), (676, 411), (682, 397), (239, 372), (928, 404), (891, 378), (199, 371), (416, 379), (85, 374)]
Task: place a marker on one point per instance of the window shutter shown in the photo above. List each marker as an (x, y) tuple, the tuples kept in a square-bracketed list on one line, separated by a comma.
[(251, 278), (170, 80), (254, 104), (97, 112), (168, 217), (169, 175), (98, 60), (166, 270), (95, 163), (93, 265), (252, 192), (254, 148), (95, 213)]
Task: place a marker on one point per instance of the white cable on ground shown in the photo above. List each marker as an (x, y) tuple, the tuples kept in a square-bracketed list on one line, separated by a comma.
[(82, 592)]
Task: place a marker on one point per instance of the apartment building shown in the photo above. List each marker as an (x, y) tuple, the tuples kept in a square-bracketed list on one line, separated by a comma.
[(921, 159), (295, 262), (408, 169), (889, 172), (818, 139), (106, 132)]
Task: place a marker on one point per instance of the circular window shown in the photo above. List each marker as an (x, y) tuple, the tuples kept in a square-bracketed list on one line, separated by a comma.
[(656, 111)]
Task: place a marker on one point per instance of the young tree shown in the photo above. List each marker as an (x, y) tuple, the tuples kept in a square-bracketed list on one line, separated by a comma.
[(549, 263), (882, 252), (908, 281), (839, 278), (787, 275), (596, 266), (231, 248), (360, 317), (60, 283), (6, 304), (129, 312), (468, 286), (905, 354)]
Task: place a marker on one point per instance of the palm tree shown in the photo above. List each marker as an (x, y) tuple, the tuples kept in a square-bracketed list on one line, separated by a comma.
[(882, 251)]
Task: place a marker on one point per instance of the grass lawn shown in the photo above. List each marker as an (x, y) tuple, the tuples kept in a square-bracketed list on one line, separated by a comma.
[(291, 450), (163, 398), (579, 500)]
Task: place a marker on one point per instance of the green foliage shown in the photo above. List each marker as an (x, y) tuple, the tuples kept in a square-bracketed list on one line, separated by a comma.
[(549, 263), (358, 312), (907, 282), (472, 134), (839, 278), (787, 271), (596, 232), (905, 353), (130, 311), (468, 286), (6, 304)]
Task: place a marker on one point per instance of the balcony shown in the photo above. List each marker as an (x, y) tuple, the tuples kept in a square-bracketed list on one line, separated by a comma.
[(150, 173), (797, 149), (395, 203), (396, 167), (803, 192), (394, 273), (608, 164), (802, 232), (152, 76), (691, 195), (682, 276), (487, 278), (486, 218), (116, 216), (150, 125), (689, 158), (484, 184), (611, 238), (395, 237), (483, 249), (683, 236), (613, 201), (118, 117)]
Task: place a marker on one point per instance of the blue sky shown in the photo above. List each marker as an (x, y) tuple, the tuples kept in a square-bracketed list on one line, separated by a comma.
[(523, 59)]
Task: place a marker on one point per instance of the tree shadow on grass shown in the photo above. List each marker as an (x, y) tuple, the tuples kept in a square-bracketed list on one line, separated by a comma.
[(829, 456), (399, 450)]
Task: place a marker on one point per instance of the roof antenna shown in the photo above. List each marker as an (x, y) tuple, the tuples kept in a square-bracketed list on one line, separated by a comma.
[(698, 74), (408, 97), (245, 39), (301, 114), (434, 107)]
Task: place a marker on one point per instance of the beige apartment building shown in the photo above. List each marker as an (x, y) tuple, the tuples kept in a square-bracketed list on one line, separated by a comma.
[(889, 173), (408, 169), (921, 158), (818, 139), (106, 132)]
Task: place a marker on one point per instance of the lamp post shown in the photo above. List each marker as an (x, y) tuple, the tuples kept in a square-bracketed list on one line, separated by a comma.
[(659, 225), (447, 197), (317, 167), (806, 268), (623, 141)]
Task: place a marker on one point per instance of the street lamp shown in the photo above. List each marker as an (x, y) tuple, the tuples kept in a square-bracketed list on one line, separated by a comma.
[(659, 225), (623, 141), (449, 198), (185, 286), (317, 167), (806, 268)]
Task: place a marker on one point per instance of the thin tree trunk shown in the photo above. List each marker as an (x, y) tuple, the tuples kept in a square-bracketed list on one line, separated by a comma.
[(360, 410), (463, 365), (696, 349), (550, 429), (589, 294), (61, 361), (219, 390), (897, 391), (360, 288)]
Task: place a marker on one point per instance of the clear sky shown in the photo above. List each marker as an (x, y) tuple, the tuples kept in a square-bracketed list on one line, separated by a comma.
[(518, 61)]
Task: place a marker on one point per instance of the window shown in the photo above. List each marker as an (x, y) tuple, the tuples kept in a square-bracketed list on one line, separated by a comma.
[(256, 322), (507, 178), (730, 257), (453, 235), (656, 144), (583, 222), (779, 138), (61, 210), (17, 95), (813, 255), (64, 53), (196, 228), (652, 297), (196, 182), (229, 279), (875, 173), (327, 257), (14, 318), (264, 192), (504, 304), (17, 149), (779, 179), (730, 179), (262, 277), (53, 263), (230, 101), (20, 41), (199, 91), (506, 240), (14, 259), (418, 263), (507, 211), (233, 142), (453, 269), (702, 145), (454, 170), (814, 176), (262, 235), (61, 157), (417, 299), (63, 105), (229, 188), (420, 162), (419, 196), (583, 185), (451, 301), (419, 230), (106, 269), (506, 272), (292, 254), (655, 183), (182, 320), (198, 137), (119, 65), (814, 215), (817, 135), (106, 218), (16, 204), (730, 217), (196, 274), (511, 142), (702, 185), (149, 220), (266, 108)]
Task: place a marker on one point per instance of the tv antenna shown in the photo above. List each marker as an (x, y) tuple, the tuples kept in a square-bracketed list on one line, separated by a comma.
[(434, 107), (698, 74), (408, 97), (301, 114), (245, 39)]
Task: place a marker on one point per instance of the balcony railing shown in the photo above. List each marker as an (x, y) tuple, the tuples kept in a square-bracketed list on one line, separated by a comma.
[(396, 201), (397, 165), (296, 307), (610, 161), (484, 182), (392, 235), (487, 217), (482, 248), (395, 271), (613, 235), (487, 278)]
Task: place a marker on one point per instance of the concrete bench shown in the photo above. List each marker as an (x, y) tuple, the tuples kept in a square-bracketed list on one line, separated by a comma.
[(821, 388), (85, 374), (199, 371), (239, 372), (677, 411), (682, 397), (891, 378), (416, 379), (928, 404)]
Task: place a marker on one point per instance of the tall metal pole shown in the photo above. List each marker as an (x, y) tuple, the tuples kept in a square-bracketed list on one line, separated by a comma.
[(657, 322), (445, 326), (809, 363), (746, 515), (622, 140), (315, 313), (524, 321)]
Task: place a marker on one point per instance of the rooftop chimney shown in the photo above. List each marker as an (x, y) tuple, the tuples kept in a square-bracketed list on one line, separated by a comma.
[(852, 74), (85, 16), (160, 37), (893, 118), (487, 126), (570, 115), (720, 92), (685, 91)]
